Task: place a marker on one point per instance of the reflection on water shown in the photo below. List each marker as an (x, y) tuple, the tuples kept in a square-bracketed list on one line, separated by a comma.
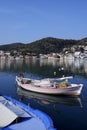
[(49, 99), (44, 67)]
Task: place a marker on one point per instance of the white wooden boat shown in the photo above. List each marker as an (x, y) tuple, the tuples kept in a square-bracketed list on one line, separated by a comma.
[(49, 86), (15, 115)]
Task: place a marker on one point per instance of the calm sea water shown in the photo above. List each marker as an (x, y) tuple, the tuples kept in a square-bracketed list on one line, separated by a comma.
[(67, 113)]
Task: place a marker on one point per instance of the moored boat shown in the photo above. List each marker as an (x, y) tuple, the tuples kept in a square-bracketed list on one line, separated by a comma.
[(27, 118), (50, 86)]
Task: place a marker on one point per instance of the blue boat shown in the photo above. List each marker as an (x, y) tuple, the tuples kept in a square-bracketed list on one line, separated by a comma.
[(15, 115)]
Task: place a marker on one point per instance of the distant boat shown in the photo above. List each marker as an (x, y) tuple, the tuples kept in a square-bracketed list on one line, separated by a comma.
[(49, 86), (49, 99), (15, 115)]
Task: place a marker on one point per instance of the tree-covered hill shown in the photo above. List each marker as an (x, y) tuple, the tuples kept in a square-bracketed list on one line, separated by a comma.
[(45, 45)]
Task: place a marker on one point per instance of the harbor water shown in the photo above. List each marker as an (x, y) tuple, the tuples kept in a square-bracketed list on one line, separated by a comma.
[(67, 113)]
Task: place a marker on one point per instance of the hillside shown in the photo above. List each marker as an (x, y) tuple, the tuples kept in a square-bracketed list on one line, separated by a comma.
[(45, 45)]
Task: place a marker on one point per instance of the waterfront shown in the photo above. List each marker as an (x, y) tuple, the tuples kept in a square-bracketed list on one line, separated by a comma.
[(67, 113)]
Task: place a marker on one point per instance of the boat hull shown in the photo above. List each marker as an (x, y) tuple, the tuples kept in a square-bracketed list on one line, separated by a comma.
[(49, 99), (37, 119)]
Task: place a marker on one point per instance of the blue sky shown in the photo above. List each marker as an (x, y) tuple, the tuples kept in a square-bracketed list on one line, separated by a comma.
[(30, 20)]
